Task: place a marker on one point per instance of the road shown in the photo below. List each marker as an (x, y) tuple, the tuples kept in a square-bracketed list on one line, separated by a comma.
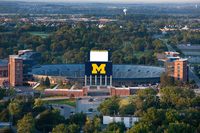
[(63, 98), (88, 106), (65, 110), (194, 77)]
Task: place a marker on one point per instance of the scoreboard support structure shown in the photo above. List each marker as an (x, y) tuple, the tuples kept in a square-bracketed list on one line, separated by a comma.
[(98, 71)]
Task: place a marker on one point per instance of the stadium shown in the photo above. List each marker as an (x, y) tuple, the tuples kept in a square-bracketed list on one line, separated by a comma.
[(123, 75)]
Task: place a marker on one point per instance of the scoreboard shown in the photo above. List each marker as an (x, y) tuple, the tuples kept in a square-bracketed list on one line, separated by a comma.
[(98, 70)]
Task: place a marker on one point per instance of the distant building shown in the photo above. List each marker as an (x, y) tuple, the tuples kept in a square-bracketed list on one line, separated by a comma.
[(176, 66), (30, 59), (3, 72), (181, 70), (191, 51), (128, 121), (120, 91), (90, 91), (15, 71), (66, 92)]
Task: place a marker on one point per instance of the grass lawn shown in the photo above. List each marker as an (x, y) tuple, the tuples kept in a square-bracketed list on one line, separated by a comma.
[(6, 32), (41, 88), (70, 102), (41, 34)]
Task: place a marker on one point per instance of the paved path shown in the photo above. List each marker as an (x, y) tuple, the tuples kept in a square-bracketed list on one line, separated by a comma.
[(194, 77), (65, 110)]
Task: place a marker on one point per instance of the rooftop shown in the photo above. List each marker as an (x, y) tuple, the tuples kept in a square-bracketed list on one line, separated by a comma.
[(119, 71), (3, 62), (15, 56)]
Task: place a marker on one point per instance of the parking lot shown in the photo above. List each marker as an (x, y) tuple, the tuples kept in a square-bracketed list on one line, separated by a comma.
[(88, 106)]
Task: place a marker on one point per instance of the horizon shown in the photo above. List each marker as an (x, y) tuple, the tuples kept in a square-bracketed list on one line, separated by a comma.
[(111, 1)]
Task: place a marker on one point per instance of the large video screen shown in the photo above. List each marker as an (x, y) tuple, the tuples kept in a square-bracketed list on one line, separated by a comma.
[(99, 55)]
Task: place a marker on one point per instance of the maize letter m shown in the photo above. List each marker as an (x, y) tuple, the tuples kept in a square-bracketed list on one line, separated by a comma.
[(98, 69)]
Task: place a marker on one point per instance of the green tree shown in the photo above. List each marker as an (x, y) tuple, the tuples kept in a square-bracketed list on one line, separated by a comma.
[(92, 126), (61, 128), (38, 103), (97, 124), (6, 130), (42, 82), (145, 99), (46, 120), (110, 106), (2, 93), (196, 101), (172, 116), (73, 128), (47, 82), (26, 124), (179, 128), (115, 127), (4, 115), (78, 119), (127, 110), (89, 127), (159, 46), (165, 80), (176, 97), (15, 107), (139, 128)]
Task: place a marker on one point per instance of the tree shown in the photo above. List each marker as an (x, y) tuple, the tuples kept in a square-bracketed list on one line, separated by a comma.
[(38, 103), (92, 126), (6, 130), (127, 110), (172, 116), (154, 116), (14, 107), (176, 97), (179, 128), (4, 115), (145, 99), (165, 80), (47, 82), (97, 124), (48, 119), (139, 128), (78, 119), (110, 106), (42, 82), (151, 121), (2, 93), (73, 128), (196, 101), (89, 127), (61, 128), (116, 127), (26, 124), (159, 46)]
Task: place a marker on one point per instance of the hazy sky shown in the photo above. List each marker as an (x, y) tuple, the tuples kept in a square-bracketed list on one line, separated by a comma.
[(123, 1)]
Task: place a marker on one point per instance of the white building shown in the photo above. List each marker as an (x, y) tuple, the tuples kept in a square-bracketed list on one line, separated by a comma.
[(128, 121)]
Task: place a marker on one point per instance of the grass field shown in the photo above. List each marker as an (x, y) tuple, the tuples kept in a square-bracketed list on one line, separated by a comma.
[(70, 102), (41, 34), (6, 32)]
